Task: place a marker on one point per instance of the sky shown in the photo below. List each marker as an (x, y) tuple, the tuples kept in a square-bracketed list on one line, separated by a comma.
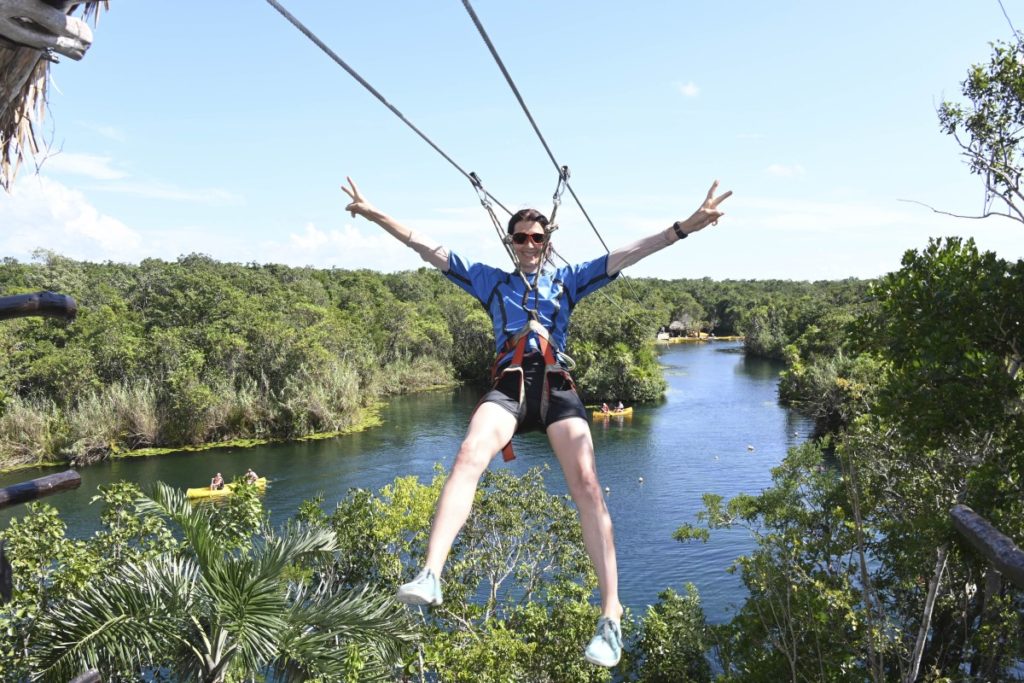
[(218, 128)]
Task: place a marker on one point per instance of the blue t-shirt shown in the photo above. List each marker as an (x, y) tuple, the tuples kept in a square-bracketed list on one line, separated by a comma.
[(554, 296)]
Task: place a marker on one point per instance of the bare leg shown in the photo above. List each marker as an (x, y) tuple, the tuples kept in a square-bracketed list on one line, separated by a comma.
[(490, 429), (574, 448)]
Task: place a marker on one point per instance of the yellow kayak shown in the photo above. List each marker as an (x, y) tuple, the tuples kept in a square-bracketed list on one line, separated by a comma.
[(625, 412), (207, 492)]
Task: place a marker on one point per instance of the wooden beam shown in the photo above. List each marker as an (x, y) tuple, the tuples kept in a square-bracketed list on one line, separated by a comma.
[(47, 304), (90, 676), (998, 549), (37, 488)]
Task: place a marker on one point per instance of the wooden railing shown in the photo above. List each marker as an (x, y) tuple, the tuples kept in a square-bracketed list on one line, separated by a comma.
[(25, 492), (34, 489), (46, 304), (998, 548), (49, 305)]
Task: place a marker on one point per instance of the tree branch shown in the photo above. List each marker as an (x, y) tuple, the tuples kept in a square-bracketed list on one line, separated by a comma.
[(957, 215), (926, 618)]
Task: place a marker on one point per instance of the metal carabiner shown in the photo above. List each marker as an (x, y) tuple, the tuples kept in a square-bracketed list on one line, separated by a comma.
[(556, 198)]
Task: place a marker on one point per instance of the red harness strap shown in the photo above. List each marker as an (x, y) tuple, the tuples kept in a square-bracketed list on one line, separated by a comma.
[(517, 345)]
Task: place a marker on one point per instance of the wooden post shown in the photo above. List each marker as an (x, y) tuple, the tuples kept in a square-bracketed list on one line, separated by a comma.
[(998, 549), (6, 576), (38, 488)]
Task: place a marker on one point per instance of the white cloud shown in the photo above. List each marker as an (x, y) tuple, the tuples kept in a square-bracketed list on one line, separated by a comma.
[(784, 171), (346, 247), (310, 239), (689, 89), (103, 168), (827, 216), (88, 165), (108, 132), (44, 213), (157, 190), (363, 245)]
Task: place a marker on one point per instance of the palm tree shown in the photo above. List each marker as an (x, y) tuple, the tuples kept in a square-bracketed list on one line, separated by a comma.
[(196, 613)]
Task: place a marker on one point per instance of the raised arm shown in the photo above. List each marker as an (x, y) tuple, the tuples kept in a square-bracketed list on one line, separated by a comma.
[(429, 251), (707, 214)]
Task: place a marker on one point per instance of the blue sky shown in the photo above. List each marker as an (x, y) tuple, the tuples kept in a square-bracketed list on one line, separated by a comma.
[(219, 128)]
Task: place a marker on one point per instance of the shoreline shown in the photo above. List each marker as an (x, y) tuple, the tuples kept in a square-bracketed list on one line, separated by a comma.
[(697, 340), (369, 418)]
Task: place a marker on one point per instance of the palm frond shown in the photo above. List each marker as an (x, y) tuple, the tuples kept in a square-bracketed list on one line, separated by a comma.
[(24, 75), (194, 521), (295, 542), (201, 612), (249, 607), (323, 624), (123, 622)]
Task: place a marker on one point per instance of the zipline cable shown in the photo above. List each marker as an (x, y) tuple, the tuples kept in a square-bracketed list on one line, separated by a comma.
[(485, 196), (522, 103), (354, 74), (526, 110)]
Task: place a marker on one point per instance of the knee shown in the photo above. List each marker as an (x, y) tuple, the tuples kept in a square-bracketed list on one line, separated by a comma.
[(588, 490), (471, 458)]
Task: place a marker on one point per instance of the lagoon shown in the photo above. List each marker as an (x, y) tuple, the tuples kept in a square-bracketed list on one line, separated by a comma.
[(719, 430)]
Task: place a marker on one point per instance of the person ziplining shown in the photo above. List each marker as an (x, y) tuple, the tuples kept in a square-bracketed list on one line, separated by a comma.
[(532, 390)]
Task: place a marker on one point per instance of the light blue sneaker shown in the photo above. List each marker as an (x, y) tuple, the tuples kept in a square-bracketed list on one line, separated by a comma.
[(605, 648), (425, 589)]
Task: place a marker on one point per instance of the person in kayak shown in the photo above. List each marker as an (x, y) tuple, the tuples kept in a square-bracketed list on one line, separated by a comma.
[(217, 483), (530, 310)]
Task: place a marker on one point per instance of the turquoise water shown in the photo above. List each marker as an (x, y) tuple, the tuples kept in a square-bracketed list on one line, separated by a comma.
[(718, 405)]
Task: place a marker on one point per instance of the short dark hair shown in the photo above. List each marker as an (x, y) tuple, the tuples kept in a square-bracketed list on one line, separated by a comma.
[(529, 215)]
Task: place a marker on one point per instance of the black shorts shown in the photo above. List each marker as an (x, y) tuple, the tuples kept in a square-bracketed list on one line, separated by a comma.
[(563, 403)]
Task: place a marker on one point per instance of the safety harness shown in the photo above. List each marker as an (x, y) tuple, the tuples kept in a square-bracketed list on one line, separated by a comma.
[(517, 343)]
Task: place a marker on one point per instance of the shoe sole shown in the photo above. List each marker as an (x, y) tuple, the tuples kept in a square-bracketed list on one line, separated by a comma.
[(597, 662), (413, 599)]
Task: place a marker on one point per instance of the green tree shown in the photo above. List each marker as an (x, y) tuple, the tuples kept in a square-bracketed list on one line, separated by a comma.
[(48, 567), (824, 377), (611, 343), (858, 573), (948, 329), (673, 640), (206, 611), (805, 617), (987, 127), (517, 585), (950, 325)]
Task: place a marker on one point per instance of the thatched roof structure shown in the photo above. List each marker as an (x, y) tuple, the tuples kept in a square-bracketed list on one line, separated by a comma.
[(32, 33)]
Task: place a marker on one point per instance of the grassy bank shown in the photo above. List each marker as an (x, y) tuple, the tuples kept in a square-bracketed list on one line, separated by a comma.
[(369, 417), (138, 420)]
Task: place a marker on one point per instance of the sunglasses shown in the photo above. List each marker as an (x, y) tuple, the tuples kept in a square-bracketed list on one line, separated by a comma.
[(537, 237)]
